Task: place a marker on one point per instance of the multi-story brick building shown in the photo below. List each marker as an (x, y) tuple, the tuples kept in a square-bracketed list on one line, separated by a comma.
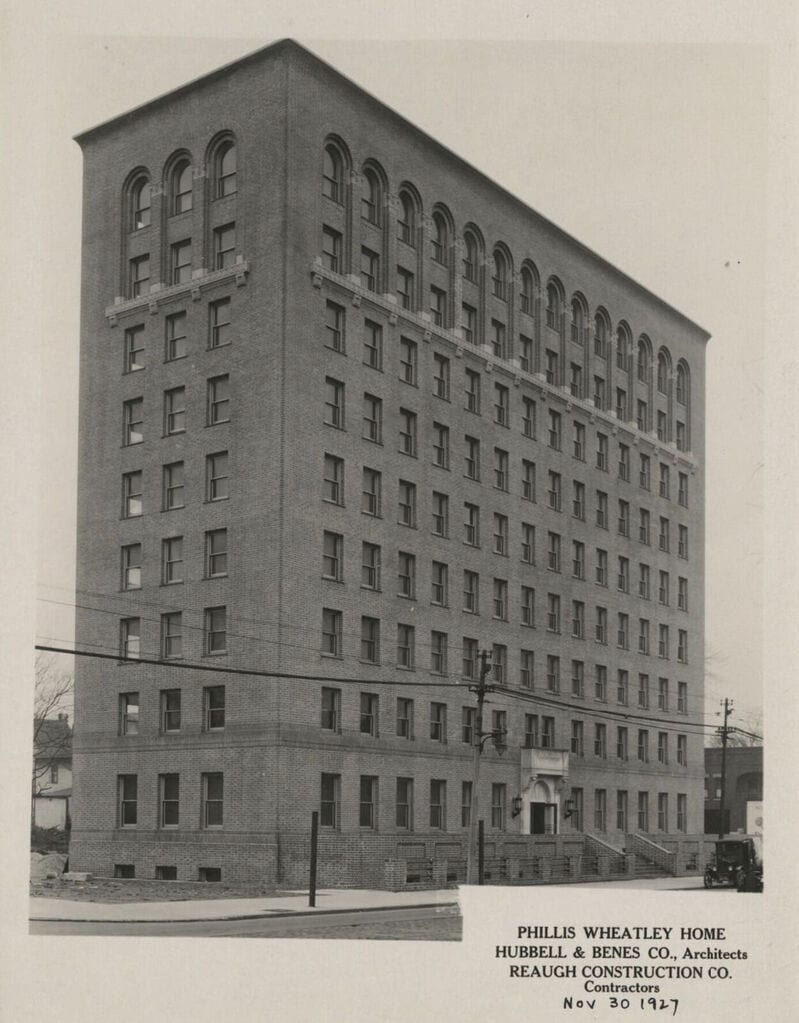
[(350, 412)]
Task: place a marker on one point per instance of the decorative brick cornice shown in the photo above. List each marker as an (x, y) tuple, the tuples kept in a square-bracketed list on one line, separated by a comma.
[(158, 295)]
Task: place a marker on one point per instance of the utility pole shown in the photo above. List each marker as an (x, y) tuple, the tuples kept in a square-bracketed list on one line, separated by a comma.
[(477, 741), (724, 732)]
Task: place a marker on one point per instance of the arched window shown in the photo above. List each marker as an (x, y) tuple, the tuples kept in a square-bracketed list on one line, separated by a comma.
[(440, 240), (225, 169), (181, 187), (663, 373), (140, 203), (600, 335), (622, 346), (682, 384), (553, 306), (371, 198), (333, 174), (406, 225), (527, 294), (643, 361), (500, 278), (470, 257), (578, 321)]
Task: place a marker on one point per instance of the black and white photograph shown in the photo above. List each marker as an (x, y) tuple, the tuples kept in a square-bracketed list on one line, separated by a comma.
[(405, 515)]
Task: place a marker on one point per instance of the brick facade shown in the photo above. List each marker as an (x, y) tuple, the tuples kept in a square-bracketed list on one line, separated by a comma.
[(281, 108)]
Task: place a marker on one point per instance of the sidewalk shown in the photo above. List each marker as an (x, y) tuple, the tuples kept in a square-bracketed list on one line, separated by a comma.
[(688, 882), (328, 900)]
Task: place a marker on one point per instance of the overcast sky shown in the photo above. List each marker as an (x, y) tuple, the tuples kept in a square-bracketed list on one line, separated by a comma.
[(653, 155)]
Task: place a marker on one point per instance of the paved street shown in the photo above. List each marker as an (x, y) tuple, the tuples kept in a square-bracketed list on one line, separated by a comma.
[(412, 924)]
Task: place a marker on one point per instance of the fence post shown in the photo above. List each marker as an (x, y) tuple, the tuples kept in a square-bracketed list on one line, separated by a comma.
[(314, 844)]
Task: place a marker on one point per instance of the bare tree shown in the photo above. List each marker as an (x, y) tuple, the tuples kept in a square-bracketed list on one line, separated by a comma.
[(52, 736)]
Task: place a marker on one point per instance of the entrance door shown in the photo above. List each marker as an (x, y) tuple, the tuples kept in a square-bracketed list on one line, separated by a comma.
[(543, 818)]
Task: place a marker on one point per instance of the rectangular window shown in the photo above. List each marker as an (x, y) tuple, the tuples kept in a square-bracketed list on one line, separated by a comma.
[(331, 250), (172, 635), (334, 327), (552, 370), (331, 633), (527, 669), (441, 445), (406, 575), (682, 697), (663, 641), (131, 567), (600, 741), (623, 686), (438, 804), (224, 246), (133, 421), (682, 491), (176, 338), (180, 262), (438, 306), (219, 400), (407, 504), (601, 683), (554, 491), (219, 323), (600, 810), (440, 514), (642, 415), (500, 534), (466, 804), (213, 708), (643, 811), (473, 391), (334, 403), (469, 658), (333, 483), (170, 710), (330, 801), (602, 452), (472, 525), (498, 803), (682, 593), (405, 288), (579, 441), (216, 553), (468, 323), (213, 800), (406, 642), (663, 535), (371, 489), (407, 432), (624, 518), (404, 718), (554, 433), (528, 543), (576, 745), (553, 552), (624, 462), (528, 480), (601, 567), (127, 795), (129, 714), (529, 418), (643, 745), (372, 419), (468, 719), (643, 636), (578, 559), (682, 542), (440, 376), (471, 592), (601, 509), (577, 809), (331, 709), (600, 392), (215, 630), (525, 353), (662, 430), (663, 747), (134, 349), (372, 345), (663, 485), (682, 646), (528, 606), (553, 673), (438, 722), (501, 599), (332, 556), (663, 811), (547, 733), (601, 632), (578, 500), (643, 526), (217, 478), (370, 639), (621, 404), (644, 473), (682, 750), (682, 812), (174, 411), (139, 276), (576, 380), (409, 361), (367, 812), (404, 804), (621, 742), (169, 793), (370, 566), (643, 581), (438, 653), (623, 639), (499, 664), (621, 810), (438, 584), (472, 468), (501, 405), (130, 638)]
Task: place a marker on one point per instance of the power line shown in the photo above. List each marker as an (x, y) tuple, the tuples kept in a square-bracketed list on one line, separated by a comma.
[(685, 726)]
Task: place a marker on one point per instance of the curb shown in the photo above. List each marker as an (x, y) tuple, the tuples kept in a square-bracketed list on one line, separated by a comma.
[(263, 915)]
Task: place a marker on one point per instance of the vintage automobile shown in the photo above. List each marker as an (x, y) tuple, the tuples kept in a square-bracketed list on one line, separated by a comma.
[(736, 861)]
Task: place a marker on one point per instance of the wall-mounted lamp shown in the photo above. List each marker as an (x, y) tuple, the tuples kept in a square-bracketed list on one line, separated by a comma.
[(516, 805), (568, 808)]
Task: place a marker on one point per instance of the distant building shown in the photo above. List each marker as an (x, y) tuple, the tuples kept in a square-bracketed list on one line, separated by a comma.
[(349, 413), (744, 784), (52, 772)]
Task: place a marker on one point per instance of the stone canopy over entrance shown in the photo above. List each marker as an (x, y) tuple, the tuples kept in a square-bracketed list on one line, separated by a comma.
[(543, 777)]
